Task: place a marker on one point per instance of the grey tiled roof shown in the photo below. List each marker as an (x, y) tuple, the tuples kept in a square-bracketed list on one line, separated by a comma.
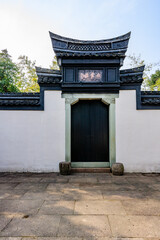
[(132, 75), (68, 47)]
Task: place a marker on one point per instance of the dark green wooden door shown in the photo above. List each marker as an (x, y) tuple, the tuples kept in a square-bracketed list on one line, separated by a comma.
[(89, 131)]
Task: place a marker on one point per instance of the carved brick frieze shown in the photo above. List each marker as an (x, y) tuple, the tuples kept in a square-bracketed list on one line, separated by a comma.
[(148, 93), (131, 79), (48, 79), (89, 47), (20, 99), (17, 102), (151, 100)]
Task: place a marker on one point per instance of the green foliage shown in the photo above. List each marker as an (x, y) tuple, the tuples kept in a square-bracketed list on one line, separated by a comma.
[(20, 77), (27, 75), (54, 65), (8, 73), (148, 83), (154, 81)]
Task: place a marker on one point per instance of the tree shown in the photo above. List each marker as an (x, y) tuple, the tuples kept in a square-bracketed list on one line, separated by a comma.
[(27, 75), (154, 81), (8, 73), (54, 65), (136, 61)]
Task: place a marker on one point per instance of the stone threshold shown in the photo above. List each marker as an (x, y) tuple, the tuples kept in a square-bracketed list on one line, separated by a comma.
[(91, 170)]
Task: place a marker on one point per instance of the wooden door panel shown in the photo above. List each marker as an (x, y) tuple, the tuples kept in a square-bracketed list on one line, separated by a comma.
[(89, 131)]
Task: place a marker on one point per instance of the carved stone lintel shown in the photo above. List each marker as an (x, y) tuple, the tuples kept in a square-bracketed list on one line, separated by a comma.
[(106, 101), (71, 101)]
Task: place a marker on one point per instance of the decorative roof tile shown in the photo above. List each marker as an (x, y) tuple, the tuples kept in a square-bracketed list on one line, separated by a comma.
[(40, 70), (48, 76), (132, 75)]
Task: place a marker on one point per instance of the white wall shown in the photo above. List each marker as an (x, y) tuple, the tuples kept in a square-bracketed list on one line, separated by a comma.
[(33, 140), (137, 135)]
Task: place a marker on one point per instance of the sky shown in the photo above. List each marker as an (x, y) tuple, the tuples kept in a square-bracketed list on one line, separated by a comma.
[(25, 25)]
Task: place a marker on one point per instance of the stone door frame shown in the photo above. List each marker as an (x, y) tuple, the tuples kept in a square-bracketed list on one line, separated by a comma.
[(108, 99)]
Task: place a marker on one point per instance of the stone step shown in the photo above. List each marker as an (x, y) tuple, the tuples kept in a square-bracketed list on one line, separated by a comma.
[(90, 170)]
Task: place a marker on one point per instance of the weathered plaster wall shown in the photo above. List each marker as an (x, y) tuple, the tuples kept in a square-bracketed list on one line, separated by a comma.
[(33, 140), (137, 135)]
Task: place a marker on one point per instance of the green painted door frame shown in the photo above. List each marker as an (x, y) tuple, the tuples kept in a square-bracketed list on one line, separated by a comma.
[(73, 98)]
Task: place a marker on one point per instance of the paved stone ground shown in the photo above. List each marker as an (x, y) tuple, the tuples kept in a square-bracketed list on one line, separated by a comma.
[(80, 206)]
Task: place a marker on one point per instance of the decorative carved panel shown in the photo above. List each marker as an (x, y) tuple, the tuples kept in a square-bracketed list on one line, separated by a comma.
[(90, 75), (89, 47)]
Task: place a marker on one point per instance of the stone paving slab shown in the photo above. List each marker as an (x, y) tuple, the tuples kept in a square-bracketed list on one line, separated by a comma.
[(48, 180), (118, 180), (107, 238), (32, 186), (25, 179), (79, 194), (99, 207), (69, 238), (19, 206), (89, 186), (141, 180), (5, 179), (135, 226), (45, 226), (142, 207), (46, 175), (123, 195), (57, 207), (7, 186), (72, 238), (62, 186), (155, 186), (4, 220), (47, 206), (11, 238), (104, 180), (80, 179), (75, 238), (11, 194), (52, 238), (56, 179), (155, 195), (82, 226), (45, 195), (119, 187)]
